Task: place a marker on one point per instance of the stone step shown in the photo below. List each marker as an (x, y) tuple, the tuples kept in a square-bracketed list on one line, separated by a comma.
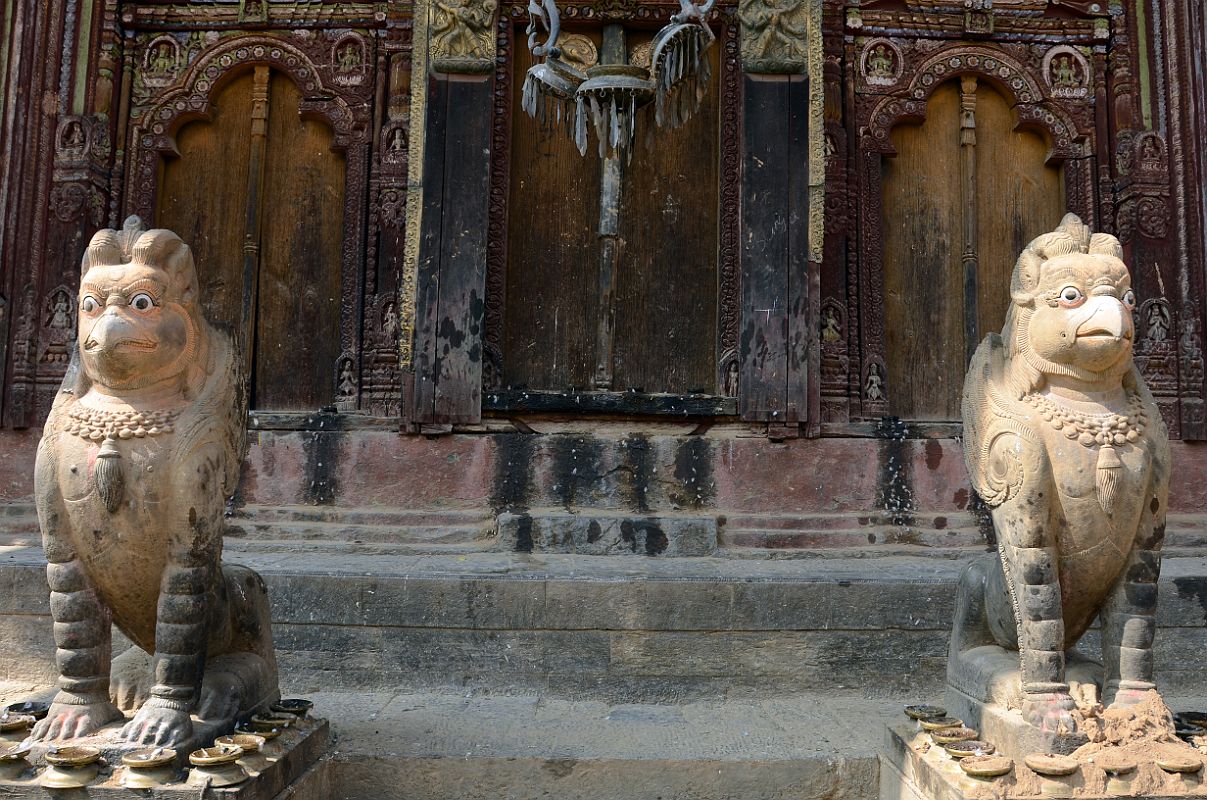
[(609, 628), (471, 746)]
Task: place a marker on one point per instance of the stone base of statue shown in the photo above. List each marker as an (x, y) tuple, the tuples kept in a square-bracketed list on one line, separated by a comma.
[(984, 690), (275, 766), (913, 767)]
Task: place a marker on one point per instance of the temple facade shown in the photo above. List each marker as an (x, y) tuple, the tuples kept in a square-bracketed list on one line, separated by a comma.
[(583, 407), (437, 319)]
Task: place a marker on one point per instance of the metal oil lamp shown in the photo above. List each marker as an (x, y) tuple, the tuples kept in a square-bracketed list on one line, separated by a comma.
[(609, 96)]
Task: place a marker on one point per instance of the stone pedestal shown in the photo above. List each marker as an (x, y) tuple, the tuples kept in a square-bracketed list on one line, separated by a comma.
[(914, 768), (277, 770), (984, 690)]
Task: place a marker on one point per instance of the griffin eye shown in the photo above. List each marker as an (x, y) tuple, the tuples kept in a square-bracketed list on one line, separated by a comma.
[(1129, 299), (89, 304), (142, 301), (1071, 296)]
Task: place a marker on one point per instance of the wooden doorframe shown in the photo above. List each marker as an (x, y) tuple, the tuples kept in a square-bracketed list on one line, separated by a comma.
[(1071, 146), (152, 139)]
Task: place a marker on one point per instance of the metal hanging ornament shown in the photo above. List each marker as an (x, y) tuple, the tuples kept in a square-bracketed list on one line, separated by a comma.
[(609, 96), (549, 87)]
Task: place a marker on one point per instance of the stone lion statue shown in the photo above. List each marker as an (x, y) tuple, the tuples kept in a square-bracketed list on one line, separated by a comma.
[(141, 448), (1066, 446)]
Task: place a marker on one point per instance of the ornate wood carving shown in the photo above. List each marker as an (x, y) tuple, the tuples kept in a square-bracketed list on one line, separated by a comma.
[(330, 70), (461, 35), (1025, 73), (730, 110)]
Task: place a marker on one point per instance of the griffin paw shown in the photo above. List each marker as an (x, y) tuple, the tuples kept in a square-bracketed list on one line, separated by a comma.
[(158, 727), (1051, 712), (70, 721)]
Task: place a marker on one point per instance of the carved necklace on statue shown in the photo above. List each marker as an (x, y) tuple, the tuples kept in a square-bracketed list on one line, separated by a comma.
[(98, 425), (1106, 431), (106, 427)]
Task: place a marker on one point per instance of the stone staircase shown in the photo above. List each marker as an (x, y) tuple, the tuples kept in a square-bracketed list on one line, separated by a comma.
[(508, 674)]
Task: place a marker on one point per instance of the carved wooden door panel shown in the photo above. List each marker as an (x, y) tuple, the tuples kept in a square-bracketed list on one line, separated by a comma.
[(259, 194), (964, 194), (663, 336)]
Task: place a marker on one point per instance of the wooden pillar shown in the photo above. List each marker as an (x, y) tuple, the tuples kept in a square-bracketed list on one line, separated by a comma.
[(774, 252), (251, 224), (451, 281), (968, 184), (611, 190), (781, 116)]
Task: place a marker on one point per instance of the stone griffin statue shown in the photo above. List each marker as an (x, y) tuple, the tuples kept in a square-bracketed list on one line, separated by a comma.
[(1065, 445), (141, 448)]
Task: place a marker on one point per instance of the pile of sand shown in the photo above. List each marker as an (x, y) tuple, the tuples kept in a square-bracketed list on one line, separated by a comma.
[(1142, 733)]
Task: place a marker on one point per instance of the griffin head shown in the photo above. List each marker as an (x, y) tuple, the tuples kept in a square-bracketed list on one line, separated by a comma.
[(1070, 315), (139, 323)]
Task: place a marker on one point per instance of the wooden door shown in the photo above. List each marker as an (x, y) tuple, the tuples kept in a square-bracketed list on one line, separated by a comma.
[(665, 324), (936, 308), (295, 183)]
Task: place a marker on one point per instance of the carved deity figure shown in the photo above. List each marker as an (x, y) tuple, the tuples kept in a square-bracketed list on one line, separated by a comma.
[(772, 30), (831, 331), (1158, 322), (880, 63), (874, 390), (141, 448), (1065, 76), (463, 24), (1064, 443), (60, 313), (164, 62), (349, 58)]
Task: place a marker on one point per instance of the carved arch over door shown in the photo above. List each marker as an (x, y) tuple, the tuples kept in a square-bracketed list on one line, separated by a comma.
[(1070, 147), (153, 141)]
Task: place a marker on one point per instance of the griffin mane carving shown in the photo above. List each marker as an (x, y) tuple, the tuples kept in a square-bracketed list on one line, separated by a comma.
[(1064, 443)]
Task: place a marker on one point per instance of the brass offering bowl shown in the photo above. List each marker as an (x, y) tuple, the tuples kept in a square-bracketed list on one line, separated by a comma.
[(294, 705), (925, 712), (216, 766), (1184, 765), (71, 767), (950, 735), (149, 768), (34, 709), (986, 767), (1196, 718), (246, 742), (934, 723), (15, 727), (266, 735), (1115, 764), (12, 760), (1051, 765), (271, 722), (969, 748), (250, 743)]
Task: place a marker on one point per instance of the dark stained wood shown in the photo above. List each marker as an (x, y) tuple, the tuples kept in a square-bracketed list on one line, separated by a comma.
[(202, 197), (666, 288), (634, 403), (298, 316), (763, 345), (801, 320), (463, 251), (923, 273), (427, 292), (552, 308), (453, 252)]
